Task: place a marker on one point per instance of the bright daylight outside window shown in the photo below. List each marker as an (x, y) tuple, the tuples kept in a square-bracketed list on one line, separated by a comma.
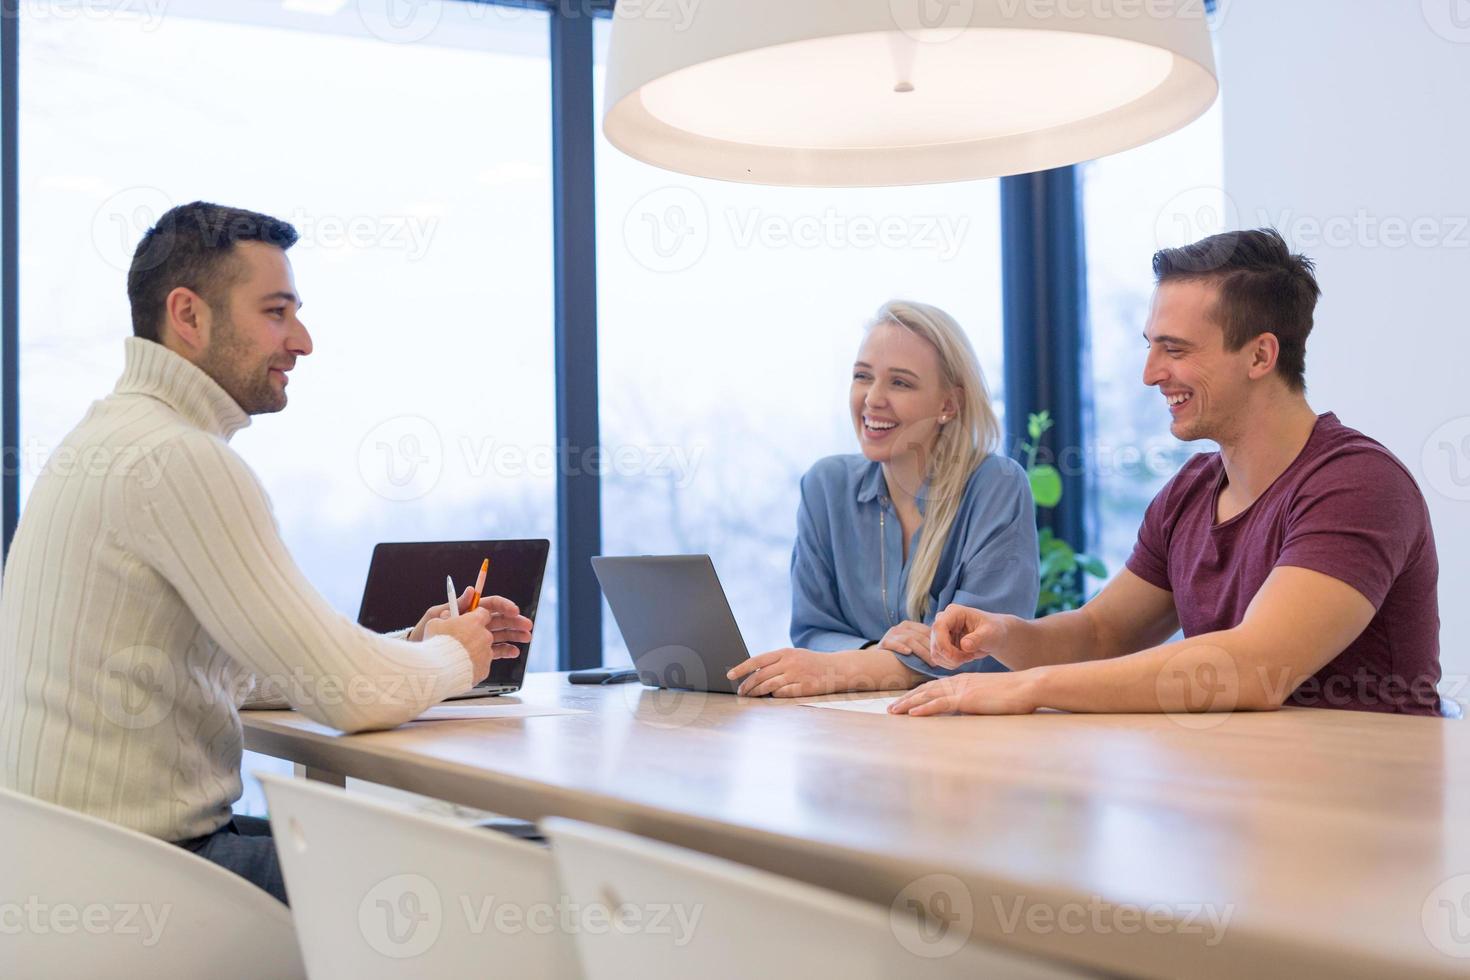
[(419, 177), (1166, 193), (729, 318)]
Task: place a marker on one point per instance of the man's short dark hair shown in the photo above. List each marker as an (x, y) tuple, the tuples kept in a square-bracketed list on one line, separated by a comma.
[(193, 246), (1263, 288)]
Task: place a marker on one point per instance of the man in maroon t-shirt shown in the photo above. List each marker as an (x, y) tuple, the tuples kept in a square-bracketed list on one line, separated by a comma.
[(1298, 560)]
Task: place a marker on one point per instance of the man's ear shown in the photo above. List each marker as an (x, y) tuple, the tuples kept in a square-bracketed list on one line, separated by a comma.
[(186, 321), (1265, 351)]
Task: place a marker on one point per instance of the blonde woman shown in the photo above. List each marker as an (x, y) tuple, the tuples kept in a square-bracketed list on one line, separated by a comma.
[(928, 514)]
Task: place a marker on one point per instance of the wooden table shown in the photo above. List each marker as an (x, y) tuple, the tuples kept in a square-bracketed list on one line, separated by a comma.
[(1323, 835)]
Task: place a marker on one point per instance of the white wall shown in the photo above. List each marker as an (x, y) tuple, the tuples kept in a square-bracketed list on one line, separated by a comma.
[(1347, 125)]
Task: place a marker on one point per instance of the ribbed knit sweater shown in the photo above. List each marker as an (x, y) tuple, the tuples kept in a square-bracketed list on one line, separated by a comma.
[(148, 595)]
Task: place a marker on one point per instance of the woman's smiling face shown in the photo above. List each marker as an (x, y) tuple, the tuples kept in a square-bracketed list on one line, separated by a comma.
[(898, 396)]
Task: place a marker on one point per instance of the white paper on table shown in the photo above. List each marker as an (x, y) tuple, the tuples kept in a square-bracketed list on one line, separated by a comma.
[(510, 709), (872, 706)]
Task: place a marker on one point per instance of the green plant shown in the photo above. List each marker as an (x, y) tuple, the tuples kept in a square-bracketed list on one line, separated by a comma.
[(1062, 566)]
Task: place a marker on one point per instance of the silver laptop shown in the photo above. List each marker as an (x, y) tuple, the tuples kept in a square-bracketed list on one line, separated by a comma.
[(407, 578), (675, 620)]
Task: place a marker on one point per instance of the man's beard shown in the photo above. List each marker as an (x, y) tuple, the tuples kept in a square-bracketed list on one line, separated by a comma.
[(229, 362)]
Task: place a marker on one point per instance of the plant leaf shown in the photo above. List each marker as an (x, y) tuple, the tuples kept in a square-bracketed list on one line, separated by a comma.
[(1092, 566), (1046, 485)]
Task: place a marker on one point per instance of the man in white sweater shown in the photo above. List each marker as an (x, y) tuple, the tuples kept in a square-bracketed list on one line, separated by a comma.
[(148, 593)]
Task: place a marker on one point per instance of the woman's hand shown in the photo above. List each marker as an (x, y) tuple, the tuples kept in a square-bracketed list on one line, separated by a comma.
[(793, 673), (790, 673), (973, 694), (908, 637)]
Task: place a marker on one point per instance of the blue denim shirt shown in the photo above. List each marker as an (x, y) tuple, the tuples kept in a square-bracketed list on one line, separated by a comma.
[(989, 562)]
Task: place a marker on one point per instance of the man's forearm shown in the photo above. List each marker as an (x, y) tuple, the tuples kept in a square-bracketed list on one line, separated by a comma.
[(1061, 638), (1210, 672)]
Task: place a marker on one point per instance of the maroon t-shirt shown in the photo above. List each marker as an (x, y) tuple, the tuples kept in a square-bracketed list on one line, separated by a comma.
[(1345, 507)]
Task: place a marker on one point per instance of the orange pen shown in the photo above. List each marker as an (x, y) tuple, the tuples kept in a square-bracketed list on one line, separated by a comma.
[(479, 585)]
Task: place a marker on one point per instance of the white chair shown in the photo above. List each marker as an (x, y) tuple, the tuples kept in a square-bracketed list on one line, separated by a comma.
[(81, 897), (687, 914), (378, 891)]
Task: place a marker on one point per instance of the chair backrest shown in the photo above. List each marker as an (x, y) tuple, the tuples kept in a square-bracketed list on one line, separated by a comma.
[(676, 913), (86, 898), (378, 891)]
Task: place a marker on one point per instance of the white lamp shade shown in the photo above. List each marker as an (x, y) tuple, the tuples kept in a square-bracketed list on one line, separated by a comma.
[(882, 92)]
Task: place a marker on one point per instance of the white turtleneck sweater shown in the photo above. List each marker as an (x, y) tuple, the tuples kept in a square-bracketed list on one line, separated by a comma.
[(148, 594)]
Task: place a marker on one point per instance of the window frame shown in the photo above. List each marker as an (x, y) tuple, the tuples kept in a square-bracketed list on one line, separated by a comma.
[(1044, 276)]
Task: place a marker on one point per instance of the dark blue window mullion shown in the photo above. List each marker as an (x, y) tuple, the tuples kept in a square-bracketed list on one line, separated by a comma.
[(578, 492), (9, 269), (1045, 288)]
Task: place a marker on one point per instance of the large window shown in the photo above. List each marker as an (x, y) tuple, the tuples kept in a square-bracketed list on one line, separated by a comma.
[(419, 177), (729, 317), (1166, 193)]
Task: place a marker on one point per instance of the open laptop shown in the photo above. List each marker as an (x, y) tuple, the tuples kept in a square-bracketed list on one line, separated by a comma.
[(674, 618), (406, 578)]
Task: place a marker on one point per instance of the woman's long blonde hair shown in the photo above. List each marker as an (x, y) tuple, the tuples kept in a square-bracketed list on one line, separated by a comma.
[(962, 443)]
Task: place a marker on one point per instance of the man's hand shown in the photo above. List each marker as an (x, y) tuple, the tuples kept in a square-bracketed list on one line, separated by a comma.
[(962, 634), (908, 637), (970, 694), (440, 611), (487, 633)]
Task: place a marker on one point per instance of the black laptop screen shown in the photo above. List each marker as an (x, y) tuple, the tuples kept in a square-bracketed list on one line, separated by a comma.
[(407, 578)]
